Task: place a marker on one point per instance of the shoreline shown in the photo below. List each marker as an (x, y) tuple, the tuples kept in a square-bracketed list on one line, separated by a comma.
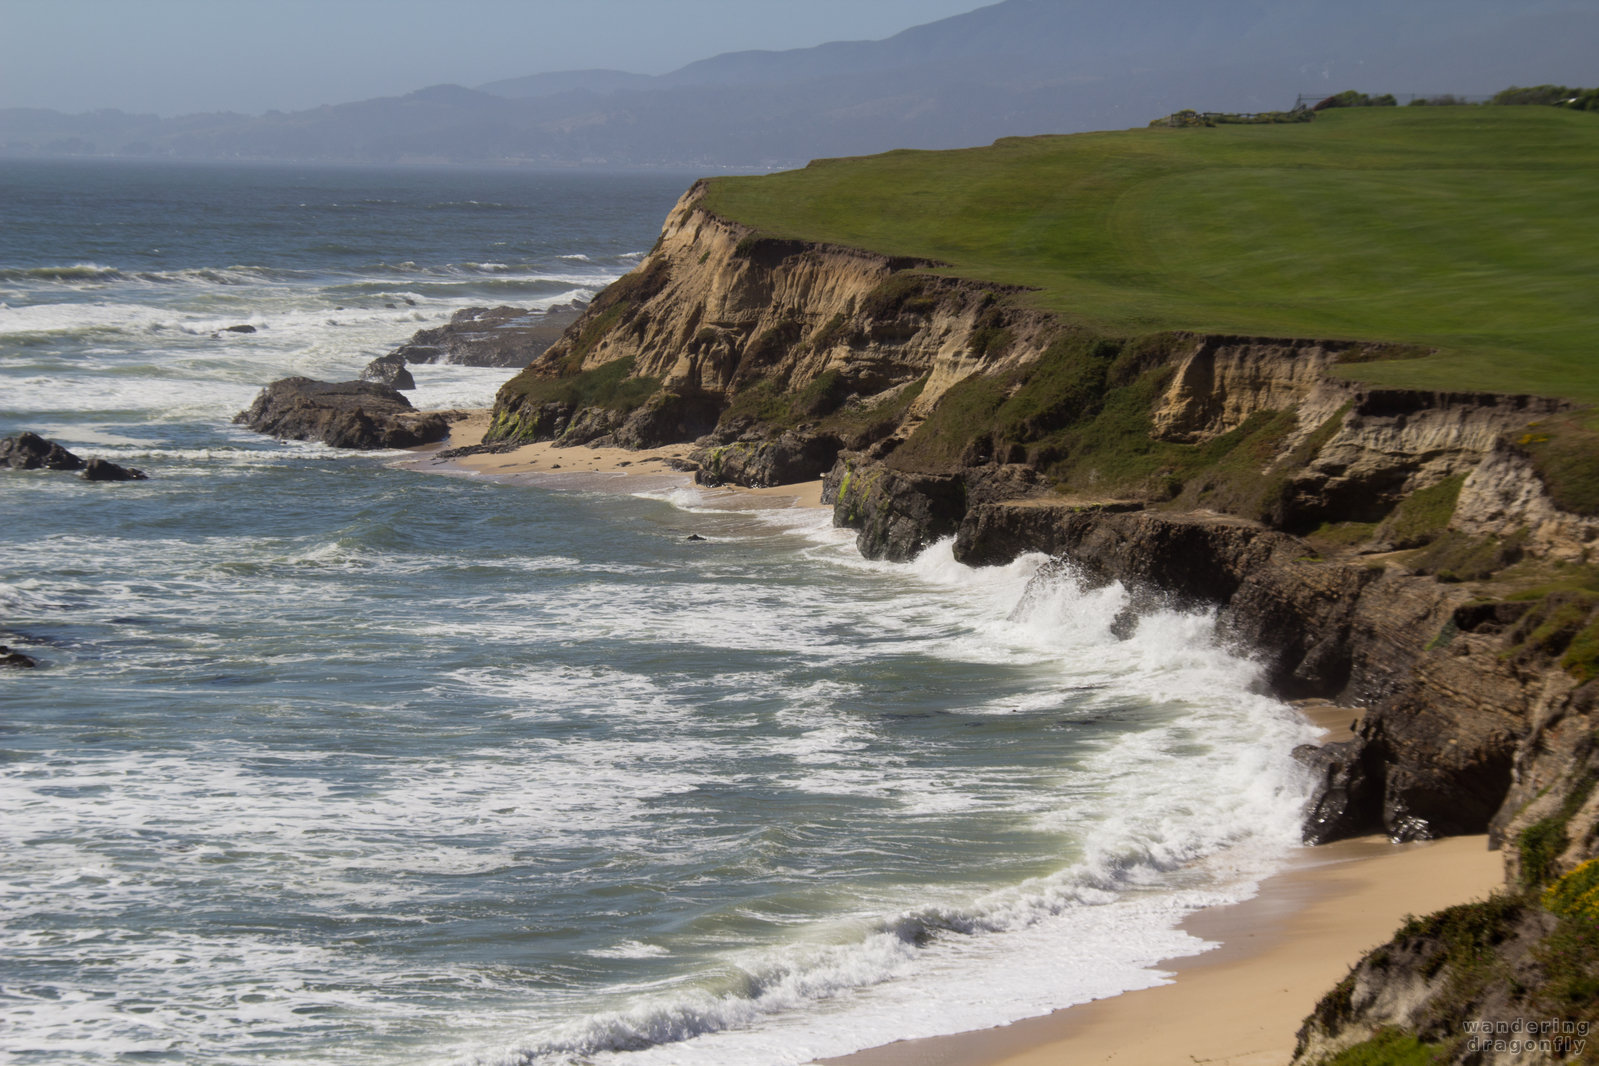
[(1241, 1002)]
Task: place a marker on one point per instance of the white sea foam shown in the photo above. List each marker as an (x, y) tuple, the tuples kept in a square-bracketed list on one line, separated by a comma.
[(291, 758), (629, 949), (1135, 804)]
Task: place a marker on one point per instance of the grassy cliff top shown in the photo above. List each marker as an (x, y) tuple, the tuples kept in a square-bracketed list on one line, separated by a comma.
[(1472, 230)]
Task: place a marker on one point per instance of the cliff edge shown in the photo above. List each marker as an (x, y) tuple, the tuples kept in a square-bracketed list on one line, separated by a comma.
[(1421, 557)]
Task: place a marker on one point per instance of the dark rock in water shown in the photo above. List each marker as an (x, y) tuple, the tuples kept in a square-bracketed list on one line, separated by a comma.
[(693, 536), (29, 451), (16, 660), (490, 336), (1346, 801), (105, 470), (390, 370), (238, 329), (345, 414)]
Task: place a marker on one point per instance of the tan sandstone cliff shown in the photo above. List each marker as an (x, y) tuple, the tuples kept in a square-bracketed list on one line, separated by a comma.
[(1413, 555)]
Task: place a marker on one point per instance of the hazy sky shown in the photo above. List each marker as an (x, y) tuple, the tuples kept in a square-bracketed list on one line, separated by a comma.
[(180, 56)]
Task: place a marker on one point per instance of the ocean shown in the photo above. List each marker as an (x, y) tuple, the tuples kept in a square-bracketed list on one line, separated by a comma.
[(328, 760)]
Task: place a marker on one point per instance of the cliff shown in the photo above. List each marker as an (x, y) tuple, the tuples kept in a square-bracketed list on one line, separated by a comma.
[(1421, 557)]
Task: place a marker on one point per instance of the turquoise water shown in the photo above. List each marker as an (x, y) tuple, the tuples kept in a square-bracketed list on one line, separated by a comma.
[(331, 761)]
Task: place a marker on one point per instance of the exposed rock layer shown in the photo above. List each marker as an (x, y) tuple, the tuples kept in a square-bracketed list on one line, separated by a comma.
[(794, 358), (1362, 542)]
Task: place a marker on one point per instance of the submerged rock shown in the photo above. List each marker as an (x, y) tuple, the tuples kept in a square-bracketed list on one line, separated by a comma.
[(29, 451), (16, 660), (105, 470), (238, 329), (344, 414), (489, 336)]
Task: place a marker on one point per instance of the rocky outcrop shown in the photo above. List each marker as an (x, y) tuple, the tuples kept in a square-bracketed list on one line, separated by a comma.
[(1504, 495), (1189, 467), (1425, 558), (488, 336), (105, 470), (897, 514), (759, 461), (804, 347), (1444, 710), (346, 414), (1470, 983), (29, 451), (389, 370)]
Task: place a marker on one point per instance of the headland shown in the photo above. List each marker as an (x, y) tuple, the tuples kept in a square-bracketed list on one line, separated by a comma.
[(1332, 379)]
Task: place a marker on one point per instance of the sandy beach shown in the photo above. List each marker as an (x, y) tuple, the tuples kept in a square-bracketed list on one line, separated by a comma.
[(581, 467), (1239, 1004)]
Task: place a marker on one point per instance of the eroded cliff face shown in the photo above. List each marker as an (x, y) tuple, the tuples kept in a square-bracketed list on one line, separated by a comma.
[(1417, 557), (1189, 465), (780, 353)]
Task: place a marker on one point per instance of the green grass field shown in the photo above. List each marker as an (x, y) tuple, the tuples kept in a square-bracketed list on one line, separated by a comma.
[(1472, 230)]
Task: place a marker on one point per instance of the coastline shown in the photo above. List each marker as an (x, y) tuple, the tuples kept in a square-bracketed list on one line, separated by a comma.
[(581, 467), (1241, 1002)]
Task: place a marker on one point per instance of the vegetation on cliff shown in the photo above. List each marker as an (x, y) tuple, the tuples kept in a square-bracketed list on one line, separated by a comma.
[(1401, 515), (1474, 231)]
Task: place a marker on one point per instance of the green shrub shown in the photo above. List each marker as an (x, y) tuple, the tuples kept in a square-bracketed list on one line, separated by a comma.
[(1422, 516), (1351, 98), (1390, 1047), (899, 293), (830, 333), (1542, 843), (1565, 452), (1575, 895), (1533, 95), (1587, 100), (1342, 534), (1468, 930), (989, 338), (1581, 659), (1455, 556), (610, 386)]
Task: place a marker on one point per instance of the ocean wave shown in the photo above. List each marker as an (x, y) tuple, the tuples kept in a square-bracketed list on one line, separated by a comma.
[(472, 205), (233, 275), (747, 990), (1144, 843), (75, 272)]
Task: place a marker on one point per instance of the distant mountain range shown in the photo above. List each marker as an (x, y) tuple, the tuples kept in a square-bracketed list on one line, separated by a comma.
[(1013, 68)]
